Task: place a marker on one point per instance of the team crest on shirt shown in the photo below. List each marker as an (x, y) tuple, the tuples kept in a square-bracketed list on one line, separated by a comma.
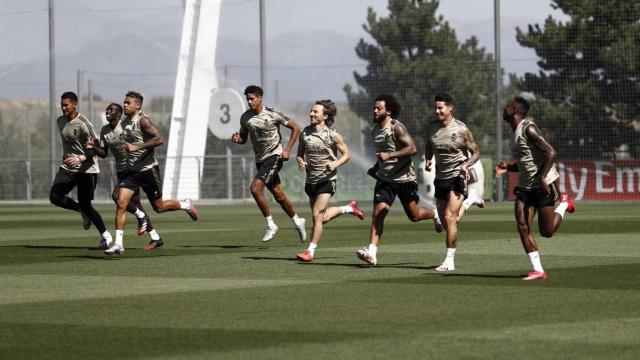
[(75, 132), (454, 137)]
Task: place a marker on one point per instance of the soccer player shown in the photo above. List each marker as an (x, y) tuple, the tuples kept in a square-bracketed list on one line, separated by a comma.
[(318, 149), (394, 173), (262, 124), (140, 136), (79, 168), (537, 188), (111, 138), (451, 142)]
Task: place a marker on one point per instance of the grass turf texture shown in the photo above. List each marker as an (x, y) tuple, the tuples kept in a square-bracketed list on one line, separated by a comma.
[(214, 291)]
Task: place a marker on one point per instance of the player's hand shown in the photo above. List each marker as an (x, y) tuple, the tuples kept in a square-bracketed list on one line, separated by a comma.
[(284, 155), (428, 165), (384, 156), (331, 166), (130, 147), (90, 144), (74, 161), (464, 173), (236, 137), (501, 168), (301, 164)]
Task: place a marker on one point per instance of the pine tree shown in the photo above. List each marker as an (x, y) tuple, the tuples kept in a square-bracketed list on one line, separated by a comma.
[(416, 55), (587, 90)]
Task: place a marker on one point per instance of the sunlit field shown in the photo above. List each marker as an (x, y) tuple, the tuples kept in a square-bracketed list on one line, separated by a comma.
[(215, 291)]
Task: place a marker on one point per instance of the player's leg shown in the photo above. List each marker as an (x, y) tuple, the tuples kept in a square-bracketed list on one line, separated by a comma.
[(86, 188), (124, 197), (408, 194), (151, 184), (524, 214), (549, 219), (281, 198), (318, 203), (472, 199), (63, 183), (383, 198), (450, 209)]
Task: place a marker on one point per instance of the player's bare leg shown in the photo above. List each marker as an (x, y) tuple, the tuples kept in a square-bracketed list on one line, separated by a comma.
[(369, 255), (449, 210), (285, 204), (524, 219), (124, 198)]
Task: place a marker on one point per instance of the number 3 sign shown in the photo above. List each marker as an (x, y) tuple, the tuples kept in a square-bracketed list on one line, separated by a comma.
[(224, 112)]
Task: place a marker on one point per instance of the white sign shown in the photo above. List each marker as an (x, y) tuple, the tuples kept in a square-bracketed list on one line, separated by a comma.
[(224, 112)]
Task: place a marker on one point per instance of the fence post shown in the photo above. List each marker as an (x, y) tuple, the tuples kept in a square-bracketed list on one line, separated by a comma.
[(229, 174)]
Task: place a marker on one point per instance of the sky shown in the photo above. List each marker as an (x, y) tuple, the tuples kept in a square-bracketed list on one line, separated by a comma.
[(107, 37)]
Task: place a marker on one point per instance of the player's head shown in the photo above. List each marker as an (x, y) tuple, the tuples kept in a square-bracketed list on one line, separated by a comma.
[(443, 106), (385, 105), (69, 103), (518, 106), (113, 112), (323, 110), (132, 102), (253, 94)]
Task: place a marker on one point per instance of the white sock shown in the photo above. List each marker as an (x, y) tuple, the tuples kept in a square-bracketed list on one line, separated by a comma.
[(312, 248), (296, 220), (184, 205), (373, 250), (347, 209), (270, 223), (107, 236), (535, 261), (154, 235), (119, 236), (139, 213), (561, 208), (451, 252), (468, 202)]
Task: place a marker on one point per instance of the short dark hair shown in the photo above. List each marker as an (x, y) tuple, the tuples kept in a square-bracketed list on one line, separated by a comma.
[(390, 103), (523, 105), (328, 108), (136, 95), (253, 89), (118, 106), (444, 97), (70, 95)]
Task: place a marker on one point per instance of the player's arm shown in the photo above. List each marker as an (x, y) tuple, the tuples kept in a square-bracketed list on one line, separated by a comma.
[(473, 148), (300, 156), (97, 148), (404, 138), (504, 166), (345, 155), (533, 133), (240, 137), (428, 152), (295, 133), (149, 128)]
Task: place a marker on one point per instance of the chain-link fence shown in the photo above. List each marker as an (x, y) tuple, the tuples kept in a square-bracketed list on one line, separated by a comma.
[(579, 68)]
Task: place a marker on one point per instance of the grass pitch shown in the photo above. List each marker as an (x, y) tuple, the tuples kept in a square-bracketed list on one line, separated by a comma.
[(214, 291)]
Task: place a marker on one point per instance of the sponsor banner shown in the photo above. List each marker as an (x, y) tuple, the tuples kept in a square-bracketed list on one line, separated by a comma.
[(600, 180)]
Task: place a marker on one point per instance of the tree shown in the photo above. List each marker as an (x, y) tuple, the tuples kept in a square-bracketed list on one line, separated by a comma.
[(587, 90), (417, 55)]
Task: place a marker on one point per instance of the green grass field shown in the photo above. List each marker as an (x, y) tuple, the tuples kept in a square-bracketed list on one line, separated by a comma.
[(213, 290)]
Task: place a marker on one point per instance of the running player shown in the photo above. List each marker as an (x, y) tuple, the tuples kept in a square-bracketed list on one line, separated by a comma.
[(112, 138), (451, 142), (394, 172), (537, 189), (262, 124), (140, 137), (318, 149), (79, 168)]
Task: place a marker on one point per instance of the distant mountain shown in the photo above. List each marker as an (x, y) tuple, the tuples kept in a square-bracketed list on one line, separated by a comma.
[(306, 66)]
